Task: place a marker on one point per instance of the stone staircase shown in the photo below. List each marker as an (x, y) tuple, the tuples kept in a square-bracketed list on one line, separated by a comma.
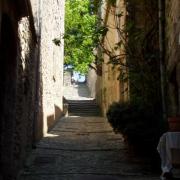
[(83, 108)]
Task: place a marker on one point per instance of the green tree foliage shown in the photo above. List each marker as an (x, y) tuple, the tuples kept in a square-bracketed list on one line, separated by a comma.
[(79, 29)]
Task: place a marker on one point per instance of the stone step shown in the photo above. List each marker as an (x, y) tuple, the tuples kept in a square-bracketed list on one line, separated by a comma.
[(83, 104), (83, 108), (79, 108), (84, 114)]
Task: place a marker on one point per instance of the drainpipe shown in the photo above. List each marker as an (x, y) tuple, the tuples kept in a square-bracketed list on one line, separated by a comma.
[(161, 4)]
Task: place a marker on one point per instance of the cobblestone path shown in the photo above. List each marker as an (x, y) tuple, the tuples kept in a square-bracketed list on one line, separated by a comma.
[(84, 148)]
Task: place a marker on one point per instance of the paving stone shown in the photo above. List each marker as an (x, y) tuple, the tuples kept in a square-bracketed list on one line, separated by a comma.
[(85, 177), (84, 148)]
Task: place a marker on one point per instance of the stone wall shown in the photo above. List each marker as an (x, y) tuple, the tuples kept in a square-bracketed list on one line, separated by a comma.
[(135, 48), (31, 77), (108, 88), (17, 88), (25, 92), (51, 24), (173, 55)]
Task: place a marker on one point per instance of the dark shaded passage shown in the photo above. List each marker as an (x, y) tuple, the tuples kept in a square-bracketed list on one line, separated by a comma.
[(8, 67)]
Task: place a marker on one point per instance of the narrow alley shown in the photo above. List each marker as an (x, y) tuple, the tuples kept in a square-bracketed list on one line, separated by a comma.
[(80, 148), (89, 89)]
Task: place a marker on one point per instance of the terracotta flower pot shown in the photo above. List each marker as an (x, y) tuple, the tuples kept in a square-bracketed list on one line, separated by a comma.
[(174, 123)]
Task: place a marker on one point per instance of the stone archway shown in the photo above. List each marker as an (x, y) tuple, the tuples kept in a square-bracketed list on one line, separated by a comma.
[(8, 66)]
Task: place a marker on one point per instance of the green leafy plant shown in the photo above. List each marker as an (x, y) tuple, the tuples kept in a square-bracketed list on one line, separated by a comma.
[(79, 28), (79, 41), (116, 115), (140, 127)]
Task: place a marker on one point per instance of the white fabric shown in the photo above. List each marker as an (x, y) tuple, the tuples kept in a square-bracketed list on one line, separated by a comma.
[(168, 141)]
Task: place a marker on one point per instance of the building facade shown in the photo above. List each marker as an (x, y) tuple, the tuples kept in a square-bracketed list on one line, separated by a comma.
[(129, 53), (172, 58), (144, 54), (31, 77), (106, 86)]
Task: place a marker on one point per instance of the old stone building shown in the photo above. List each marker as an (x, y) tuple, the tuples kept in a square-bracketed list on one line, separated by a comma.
[(112, 89), (140, 18), (104, 85), (49, 23), (172, 30), (129, 51), (31, 77)]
